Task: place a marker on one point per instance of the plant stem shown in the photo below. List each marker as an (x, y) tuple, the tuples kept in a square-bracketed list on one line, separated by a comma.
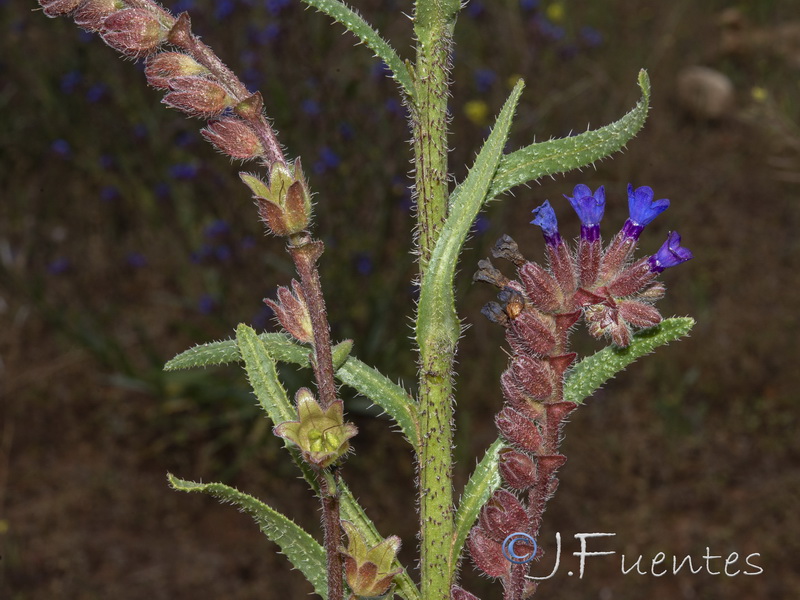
[(329, 494), (434, 21), (305, 252)]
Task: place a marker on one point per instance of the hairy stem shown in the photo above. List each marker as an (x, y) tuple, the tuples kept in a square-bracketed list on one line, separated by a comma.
[(305, 252), (329, 494), (433, 25)]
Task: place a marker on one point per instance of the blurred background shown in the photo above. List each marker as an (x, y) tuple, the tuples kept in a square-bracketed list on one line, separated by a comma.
[(125, 239)]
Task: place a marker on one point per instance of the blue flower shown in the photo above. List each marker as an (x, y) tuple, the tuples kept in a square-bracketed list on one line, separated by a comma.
[(590, 208), (670, 254), (61, 148), (642, 209), (545, 217), (136, 260)]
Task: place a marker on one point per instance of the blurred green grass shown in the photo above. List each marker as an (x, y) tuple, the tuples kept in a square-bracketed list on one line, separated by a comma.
[(125, 239)]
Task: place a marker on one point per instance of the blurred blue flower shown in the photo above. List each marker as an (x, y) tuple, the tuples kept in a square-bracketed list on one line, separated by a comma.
[(223, 253), (61, 148), (528, 4), (395, 107), (346, 131), (59, 266), (109, 193), (206, 304), (182, 6), (591, 36), (262, 318), (481, 225), (183, 171), (363, 263), (328, 159), (381, 69), (140, 131), (549, 29), (136, 260), (70, 81), (217, 228), (106, 161), (475, 8), (97, 92), (223, 9), (484, 79), (247, 242), (161, 190), (184, 138), (310, 107), (276, 6)]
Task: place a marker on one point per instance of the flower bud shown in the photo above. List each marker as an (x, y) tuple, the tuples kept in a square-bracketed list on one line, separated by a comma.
[(284, 204), (540, 287), (197, 96), (134, 31), (58, 8), (457, 593), (91, 14), (321, 435), (503, 515), (518, 430), (291, 311), (518, 470), (487, 554), (369, 571), (163, 67), (251, 107), (534, 375), (528, 333), (234, 137), (639, 314)]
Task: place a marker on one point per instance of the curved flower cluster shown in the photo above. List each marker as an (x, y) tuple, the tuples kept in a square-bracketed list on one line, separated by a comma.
[(613, 293), (197, 82)]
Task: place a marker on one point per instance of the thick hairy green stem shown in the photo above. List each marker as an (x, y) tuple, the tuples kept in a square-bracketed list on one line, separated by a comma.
[(433, 26)]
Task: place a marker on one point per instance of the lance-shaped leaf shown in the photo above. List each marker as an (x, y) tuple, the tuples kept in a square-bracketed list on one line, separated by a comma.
[(302, 550), (367, 381), (593, 371), (437, 302), (264, 379), (341, 13), (559, 156), (483, 482)]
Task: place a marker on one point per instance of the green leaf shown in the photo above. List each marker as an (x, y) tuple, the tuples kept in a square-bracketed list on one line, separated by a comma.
[(351, 511), (281, 348), (593, 371), (367, 381), (263, 376), (559, 156), (302, 550), (485, 479), (341, 13), (264, 379), (392, 398), (437, 303)]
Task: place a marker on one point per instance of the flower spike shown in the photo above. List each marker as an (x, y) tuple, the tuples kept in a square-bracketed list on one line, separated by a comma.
[(670, 254)]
